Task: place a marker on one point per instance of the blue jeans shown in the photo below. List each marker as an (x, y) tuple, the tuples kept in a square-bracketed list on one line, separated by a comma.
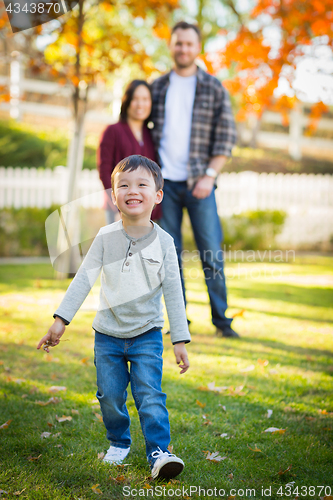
[(144, 354), (208, 236)]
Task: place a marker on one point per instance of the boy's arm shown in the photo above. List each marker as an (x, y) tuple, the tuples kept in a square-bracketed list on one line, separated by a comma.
[(173, 298), (83, 281)]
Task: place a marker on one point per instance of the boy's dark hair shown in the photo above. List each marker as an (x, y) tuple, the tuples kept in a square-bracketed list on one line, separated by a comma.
[(135, 161), (128, 96), (183, 25)]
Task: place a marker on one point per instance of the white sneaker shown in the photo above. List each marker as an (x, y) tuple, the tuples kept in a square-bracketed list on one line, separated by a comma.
[(166, 465), (115, 455)]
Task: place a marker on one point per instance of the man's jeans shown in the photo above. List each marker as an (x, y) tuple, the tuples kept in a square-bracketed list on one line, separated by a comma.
[(144, 353), (208, 236)]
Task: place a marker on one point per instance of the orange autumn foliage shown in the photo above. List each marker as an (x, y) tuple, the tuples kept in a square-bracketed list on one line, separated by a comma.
[(257, 64)]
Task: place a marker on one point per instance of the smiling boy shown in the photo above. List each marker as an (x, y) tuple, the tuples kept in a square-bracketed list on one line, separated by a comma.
[(138, 263)]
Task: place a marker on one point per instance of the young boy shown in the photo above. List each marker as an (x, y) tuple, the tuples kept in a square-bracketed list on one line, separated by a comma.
[(138, 262)]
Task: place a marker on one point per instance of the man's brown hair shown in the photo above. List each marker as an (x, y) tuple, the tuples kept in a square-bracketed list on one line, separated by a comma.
[(183, 25)]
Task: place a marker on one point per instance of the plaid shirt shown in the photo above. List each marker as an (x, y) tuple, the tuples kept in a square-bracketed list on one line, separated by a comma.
[(213, 130)]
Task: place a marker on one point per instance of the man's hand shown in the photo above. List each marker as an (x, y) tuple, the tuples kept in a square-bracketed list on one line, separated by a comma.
[(52, 338), (181, 356), (203, 187)]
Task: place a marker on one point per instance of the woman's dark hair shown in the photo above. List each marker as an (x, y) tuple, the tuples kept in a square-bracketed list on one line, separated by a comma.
[(135, 161), (128, 96)]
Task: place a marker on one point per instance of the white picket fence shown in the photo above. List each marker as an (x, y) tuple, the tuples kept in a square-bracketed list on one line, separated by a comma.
[(307, 199)]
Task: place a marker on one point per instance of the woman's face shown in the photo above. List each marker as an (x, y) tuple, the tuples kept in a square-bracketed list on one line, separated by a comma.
[(140, 106)]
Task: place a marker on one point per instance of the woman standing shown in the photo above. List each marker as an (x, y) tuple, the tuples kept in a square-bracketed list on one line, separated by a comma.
[(129, 136)]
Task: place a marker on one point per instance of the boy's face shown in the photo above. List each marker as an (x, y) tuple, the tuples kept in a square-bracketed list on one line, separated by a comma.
[(135, 193)]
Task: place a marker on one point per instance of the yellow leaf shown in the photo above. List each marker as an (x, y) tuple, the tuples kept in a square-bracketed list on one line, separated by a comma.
[(263, 362), (84, 361), (170, 448), (101, 455), (63, 418), (202, 405), (99, 417), (96, 489), (256, 449), (6, 424), (239, 314), (120, 479), (18, 493), (281, 472)]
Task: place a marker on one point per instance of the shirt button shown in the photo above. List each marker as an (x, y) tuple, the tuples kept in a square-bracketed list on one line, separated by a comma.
[(133, 243), (127, 264), (130, 254)]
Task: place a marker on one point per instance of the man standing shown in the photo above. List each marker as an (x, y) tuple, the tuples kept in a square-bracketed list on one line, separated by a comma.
[(194, 132)]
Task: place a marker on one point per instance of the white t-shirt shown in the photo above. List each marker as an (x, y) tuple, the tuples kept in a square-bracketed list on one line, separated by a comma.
[(175, 143)]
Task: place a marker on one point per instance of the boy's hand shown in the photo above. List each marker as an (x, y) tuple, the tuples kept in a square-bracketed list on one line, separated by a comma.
[(181, 356), (52, 338)]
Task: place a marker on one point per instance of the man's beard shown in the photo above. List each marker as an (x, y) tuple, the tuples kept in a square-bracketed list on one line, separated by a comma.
[(183, 65)]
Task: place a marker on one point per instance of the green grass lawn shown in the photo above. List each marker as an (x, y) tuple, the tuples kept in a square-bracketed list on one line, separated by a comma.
[(283, 362)]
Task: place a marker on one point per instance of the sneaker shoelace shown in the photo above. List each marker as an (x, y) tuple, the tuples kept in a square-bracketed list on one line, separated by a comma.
[(160, 454)]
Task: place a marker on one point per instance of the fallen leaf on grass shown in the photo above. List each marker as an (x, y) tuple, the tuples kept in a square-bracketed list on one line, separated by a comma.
[(239, 314), (56, 435), (24, 396), (256, 449), (170, 448), (202, 405), (63, 418), (211, 387), (85, 361), (281, 472), (275, 430), (45, 435), (269, 413), (232, 497), (289, 408), (101, 455), (33, 459), (75, 412), (223, 407), (325, 412), (18, 493), (57, 388), (99, 417), (53, 400), (96, 489), (263, 362), (247, 369), (230, 476), (120, 479), (214, 457), (6, 424), (327, 497)]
